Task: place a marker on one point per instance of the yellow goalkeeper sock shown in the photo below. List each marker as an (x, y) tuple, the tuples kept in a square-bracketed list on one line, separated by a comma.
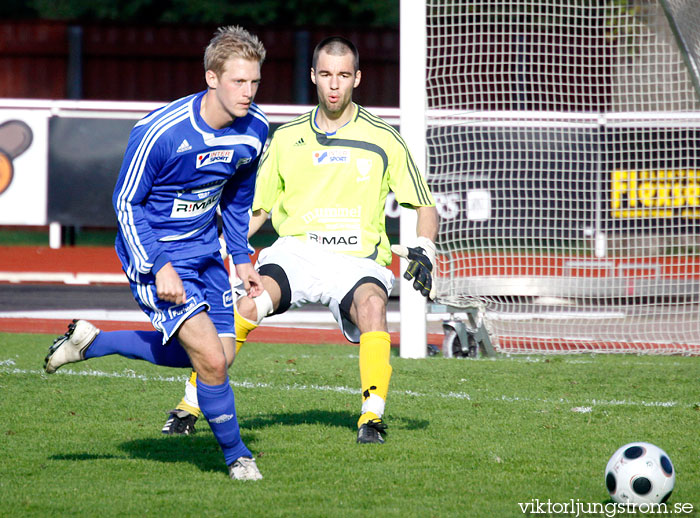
[(243, 328), (375, 373), (189, 402)]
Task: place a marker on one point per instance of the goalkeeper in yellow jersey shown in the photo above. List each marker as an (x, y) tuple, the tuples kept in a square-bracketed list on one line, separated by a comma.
[(324, 179)]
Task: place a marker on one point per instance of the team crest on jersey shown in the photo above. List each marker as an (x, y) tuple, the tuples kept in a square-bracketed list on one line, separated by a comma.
[(364, 166), (331, 156), (212, 157)]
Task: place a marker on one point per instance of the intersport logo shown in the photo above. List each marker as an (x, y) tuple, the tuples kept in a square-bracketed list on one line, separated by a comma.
[(331, 156), (212, 157)]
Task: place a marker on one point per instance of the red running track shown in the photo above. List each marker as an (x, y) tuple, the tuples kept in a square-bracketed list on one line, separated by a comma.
[(98, 260)]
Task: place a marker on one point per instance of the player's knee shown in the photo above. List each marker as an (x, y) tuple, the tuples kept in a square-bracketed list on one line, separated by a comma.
[(263, 306), (247, 308), (213, 368), (255, 309), (371, 311), (375, 302)]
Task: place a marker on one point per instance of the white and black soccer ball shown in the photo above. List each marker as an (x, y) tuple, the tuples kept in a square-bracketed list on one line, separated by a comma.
[(640, 473)]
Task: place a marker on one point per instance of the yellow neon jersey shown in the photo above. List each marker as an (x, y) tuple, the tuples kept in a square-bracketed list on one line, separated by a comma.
[(332, 188)]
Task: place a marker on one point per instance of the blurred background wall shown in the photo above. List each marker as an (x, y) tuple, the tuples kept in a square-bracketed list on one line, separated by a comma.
[(102, 61)]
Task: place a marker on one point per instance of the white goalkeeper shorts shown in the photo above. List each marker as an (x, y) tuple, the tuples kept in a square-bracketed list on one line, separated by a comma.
[(317, 275)]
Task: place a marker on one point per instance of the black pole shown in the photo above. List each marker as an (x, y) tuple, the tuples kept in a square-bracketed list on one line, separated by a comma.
[(302, 65), (74, 69)]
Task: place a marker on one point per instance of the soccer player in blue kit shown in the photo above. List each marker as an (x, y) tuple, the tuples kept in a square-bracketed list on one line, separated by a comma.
[(324, 180), (181, 162)]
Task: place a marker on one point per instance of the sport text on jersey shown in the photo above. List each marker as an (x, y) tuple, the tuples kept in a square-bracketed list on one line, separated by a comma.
[(212, 157), (331, 156)]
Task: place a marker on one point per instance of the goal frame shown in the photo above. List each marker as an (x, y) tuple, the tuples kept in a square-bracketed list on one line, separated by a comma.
[(414, 127), (412, 95)]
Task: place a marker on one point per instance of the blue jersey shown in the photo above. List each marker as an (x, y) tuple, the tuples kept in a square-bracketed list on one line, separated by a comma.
[(176, 171)]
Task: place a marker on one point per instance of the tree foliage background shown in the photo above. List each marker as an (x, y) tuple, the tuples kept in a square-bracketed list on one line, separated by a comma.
[(295, 13)]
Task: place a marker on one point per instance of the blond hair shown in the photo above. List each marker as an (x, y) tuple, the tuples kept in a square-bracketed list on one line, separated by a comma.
[(232, 42)]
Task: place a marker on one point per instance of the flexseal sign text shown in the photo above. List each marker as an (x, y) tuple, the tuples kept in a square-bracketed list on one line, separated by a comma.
[(656, 194)]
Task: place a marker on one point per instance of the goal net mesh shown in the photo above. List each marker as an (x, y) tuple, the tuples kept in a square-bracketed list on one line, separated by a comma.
[(563, 150)]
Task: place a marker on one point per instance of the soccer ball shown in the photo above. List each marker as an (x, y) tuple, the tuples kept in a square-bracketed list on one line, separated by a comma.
[(640, 473)]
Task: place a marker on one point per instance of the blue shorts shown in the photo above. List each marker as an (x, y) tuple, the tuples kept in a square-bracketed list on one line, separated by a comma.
[(207, 286)]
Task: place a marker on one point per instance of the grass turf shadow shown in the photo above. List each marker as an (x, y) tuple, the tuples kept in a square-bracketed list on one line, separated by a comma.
[(202, 450), (342, 419)]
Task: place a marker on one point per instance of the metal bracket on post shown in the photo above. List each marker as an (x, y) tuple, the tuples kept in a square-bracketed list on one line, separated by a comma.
[(466, 339)]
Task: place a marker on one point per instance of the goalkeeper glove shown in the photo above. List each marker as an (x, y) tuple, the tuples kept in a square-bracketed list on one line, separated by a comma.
[(420, 266)]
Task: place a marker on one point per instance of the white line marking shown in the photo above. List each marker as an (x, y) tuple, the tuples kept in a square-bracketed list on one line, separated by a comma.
[(555, 315), (64, 277), (87, 314), (130, 374), (289, 319)]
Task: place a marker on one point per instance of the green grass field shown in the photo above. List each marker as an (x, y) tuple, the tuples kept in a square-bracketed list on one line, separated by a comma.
[(467, 438)]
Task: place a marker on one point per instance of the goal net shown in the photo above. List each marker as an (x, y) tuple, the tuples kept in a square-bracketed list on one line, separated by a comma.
[(563, 149)]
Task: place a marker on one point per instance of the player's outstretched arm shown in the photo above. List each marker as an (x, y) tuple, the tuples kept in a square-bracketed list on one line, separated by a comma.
[(421, 257)]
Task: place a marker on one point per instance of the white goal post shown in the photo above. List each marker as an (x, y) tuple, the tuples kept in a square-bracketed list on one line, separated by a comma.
[(561, 140), (412, 305)]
